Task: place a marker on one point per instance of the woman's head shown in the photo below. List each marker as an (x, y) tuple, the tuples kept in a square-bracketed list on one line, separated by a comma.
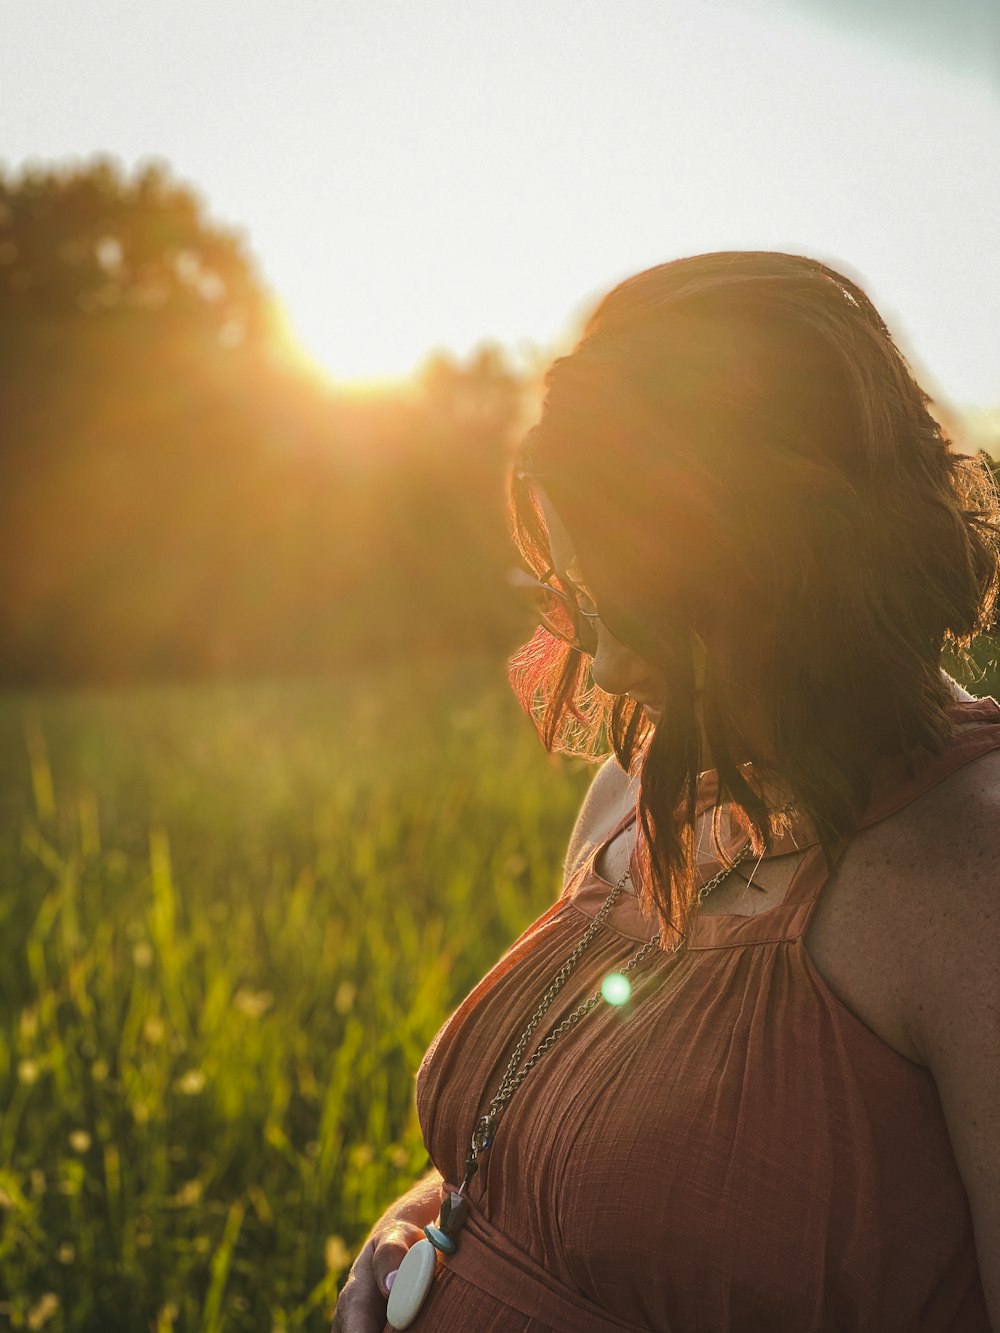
[(615, 668), (754, 490)]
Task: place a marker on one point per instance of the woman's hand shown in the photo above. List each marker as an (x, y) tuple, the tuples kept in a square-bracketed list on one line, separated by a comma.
[(362, 1300)]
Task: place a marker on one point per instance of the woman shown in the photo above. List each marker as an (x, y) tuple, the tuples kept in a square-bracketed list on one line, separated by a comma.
[(757, 542)]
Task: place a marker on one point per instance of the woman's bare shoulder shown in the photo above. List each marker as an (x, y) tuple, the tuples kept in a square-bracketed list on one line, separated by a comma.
[(957, 822), (919, 865), (609, 797), (954, 983), (919, 895)]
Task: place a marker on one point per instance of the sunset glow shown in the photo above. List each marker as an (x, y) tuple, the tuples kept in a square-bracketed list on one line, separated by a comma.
[(417, 178)]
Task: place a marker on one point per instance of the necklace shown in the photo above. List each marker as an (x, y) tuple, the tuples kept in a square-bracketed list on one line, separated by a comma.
[(416, 1273)]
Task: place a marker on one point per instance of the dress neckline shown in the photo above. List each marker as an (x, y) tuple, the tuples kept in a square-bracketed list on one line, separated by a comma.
[(797, 838), (588, 889)]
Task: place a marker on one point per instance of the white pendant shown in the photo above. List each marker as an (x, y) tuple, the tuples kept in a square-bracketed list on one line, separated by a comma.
[(413, 1282)]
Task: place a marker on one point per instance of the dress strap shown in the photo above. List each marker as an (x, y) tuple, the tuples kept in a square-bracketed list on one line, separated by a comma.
[(979, 720), (785, 921), (977, 724)]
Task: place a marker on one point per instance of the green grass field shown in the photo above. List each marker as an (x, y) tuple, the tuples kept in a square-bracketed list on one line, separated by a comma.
[(232, 919)]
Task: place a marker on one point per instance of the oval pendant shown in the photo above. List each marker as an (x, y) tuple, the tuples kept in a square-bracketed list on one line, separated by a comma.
[(413, 1282)]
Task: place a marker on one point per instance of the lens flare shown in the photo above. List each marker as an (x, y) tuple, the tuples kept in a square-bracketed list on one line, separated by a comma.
[(616, 989)]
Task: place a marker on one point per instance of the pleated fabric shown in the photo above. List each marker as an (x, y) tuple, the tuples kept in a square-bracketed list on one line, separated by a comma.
[(732, 1151)]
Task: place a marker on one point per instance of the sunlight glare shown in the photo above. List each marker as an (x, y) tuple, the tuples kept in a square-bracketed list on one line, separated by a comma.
[(347, 352)]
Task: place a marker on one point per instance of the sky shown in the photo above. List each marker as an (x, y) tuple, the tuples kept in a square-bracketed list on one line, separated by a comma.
[(421, 174)]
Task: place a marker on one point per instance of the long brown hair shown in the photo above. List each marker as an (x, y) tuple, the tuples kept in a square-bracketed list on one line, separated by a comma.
[(739, 450)]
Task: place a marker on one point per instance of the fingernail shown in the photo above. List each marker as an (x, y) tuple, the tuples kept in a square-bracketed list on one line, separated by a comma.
[(390, 1278)]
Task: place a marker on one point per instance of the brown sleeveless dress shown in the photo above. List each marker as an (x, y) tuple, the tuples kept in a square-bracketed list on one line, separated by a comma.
[(733, 1151)]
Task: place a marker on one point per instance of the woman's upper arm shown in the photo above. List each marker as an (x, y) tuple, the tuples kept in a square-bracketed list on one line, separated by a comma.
[(605, 803), (956, 1022)]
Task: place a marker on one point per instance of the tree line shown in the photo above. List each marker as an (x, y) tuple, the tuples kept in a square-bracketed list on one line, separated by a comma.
[(179, 499)]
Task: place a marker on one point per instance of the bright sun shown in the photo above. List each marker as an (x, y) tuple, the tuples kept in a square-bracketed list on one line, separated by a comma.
[(360, 359)]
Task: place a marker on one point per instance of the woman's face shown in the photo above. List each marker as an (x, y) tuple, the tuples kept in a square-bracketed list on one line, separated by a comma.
[(615, 668)]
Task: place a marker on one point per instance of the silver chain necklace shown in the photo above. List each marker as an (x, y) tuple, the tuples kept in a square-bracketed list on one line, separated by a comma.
[(484, 1132), (416, 1272)]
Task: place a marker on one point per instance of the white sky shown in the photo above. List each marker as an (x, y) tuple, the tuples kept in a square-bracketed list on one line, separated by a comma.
[(414, 174)]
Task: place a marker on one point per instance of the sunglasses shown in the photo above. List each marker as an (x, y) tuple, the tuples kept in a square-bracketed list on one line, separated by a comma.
[(571, 618)]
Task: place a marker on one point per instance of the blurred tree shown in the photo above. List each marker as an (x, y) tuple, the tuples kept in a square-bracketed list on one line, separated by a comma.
[(178, 499), (467, 416), (84, 248), (127, 325), (481, 399)]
